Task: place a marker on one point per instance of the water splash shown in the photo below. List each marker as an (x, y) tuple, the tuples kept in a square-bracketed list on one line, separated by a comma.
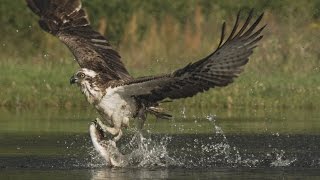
[(281, 160), (213, 151), (216, 151), (150, 153), (195, 150), (140, 151)]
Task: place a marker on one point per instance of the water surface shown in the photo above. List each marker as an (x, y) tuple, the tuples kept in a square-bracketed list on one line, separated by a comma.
[(238, 143)]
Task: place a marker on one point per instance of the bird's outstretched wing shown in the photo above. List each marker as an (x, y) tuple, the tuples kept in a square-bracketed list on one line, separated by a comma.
[(216, 70), (68, 21)]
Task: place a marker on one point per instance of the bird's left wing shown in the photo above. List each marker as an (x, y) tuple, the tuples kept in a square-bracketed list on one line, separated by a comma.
[(216, 70), (68, 21)]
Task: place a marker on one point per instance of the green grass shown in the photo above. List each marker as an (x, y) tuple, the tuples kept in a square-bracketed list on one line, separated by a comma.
[(30, 85), (283, 72), (47, 85)]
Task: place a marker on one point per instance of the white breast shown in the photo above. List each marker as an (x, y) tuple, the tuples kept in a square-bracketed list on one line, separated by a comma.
[(116, 106)]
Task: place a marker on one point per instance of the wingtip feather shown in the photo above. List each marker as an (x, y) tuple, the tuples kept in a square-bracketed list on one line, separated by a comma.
[(222, 34)]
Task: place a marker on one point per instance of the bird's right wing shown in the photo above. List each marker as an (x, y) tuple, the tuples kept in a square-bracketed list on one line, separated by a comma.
[(68, 21), (216, 70)]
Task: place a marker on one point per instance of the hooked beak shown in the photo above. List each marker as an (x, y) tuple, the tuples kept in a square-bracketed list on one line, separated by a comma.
[(73, 79)]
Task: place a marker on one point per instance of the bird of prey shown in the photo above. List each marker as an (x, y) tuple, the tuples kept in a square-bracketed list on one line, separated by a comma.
[(119, 97)]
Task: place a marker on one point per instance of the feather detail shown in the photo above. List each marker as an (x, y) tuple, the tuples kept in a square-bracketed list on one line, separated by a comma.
[(69, 22), (216, 70)]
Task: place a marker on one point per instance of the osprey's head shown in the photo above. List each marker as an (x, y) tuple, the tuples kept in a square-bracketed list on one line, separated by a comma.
[(88, 81), (84, 75)]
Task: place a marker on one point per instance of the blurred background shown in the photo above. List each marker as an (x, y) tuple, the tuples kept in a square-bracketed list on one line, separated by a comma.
[(156, 37), (269, 117)]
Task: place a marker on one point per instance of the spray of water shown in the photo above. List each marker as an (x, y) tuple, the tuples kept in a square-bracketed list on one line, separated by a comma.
[(281, 160), (207, 151)]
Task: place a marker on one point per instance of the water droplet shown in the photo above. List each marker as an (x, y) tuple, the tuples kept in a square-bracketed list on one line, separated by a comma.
[(211, 117), (183, 111)]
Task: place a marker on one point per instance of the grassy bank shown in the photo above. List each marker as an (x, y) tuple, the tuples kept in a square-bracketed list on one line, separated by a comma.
[(284, 71), (47, 85)]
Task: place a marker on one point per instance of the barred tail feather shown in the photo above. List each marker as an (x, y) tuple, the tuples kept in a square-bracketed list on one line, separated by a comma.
[(57, 15)]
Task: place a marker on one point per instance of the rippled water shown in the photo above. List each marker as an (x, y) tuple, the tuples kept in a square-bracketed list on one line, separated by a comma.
[(239, 144)]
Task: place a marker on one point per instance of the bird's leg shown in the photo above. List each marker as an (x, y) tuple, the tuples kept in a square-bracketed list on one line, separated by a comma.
[(115, 131)]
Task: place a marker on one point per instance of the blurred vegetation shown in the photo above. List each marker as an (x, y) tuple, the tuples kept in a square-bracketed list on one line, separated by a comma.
[(159, 36)]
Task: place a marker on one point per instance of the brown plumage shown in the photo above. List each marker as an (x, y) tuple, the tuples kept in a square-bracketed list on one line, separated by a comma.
[(68, 21), (216, 70), (107, 84)]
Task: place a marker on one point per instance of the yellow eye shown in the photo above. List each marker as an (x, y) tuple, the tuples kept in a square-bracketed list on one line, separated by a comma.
[(82, 75)]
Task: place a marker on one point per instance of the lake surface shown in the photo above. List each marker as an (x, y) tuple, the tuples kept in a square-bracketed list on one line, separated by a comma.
[(196, 144)]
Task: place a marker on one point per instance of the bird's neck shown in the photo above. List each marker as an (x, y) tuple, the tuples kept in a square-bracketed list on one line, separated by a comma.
[(92, 92)]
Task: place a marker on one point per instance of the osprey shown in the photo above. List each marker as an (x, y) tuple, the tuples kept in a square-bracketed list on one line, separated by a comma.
[(119, 97)]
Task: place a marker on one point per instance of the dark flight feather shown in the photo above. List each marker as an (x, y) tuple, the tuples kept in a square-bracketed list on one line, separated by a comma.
[(68, 21), (216, 70)]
